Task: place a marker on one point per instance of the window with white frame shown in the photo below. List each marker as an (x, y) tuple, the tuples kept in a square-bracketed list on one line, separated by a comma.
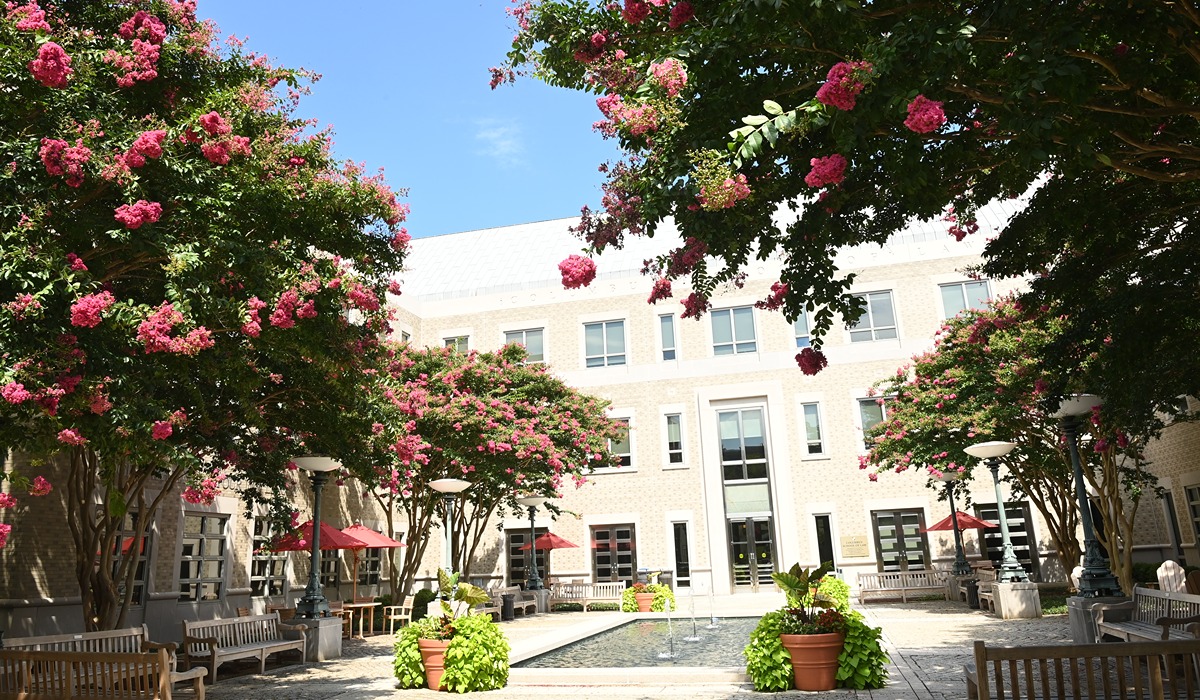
[(674, 438), (960, 296), (604, 343), (202, 558), (405, 336), (622, 446), (458, 343), (531, 338), (743, 444), (871, 412), (733, 330), (801, 331), (268, 569), (812, 429), (666, 327), (878, 320), (370, 566)]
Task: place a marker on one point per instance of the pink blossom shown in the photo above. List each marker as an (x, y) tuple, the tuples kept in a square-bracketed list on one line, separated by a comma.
[(577, 271), (924, 115), (830, 170), (661, 290), (24, 305), (85, 312), (7, 500), (138, 213), (215, 124), (29, 18), (140, 66), (154, 332), (161, 430), (5, 529), (723, 196), (681, 14), (15, 393), (400, 240), (774, 302), (843, 84), (144, 25), (60, 158), (362, 298), (635, 11), (811, 361), (695, 305), (501, 76), (70, 436), (148, 144), (75, 263), (670, 74), (284, 308), (99, 403), (52, 66)]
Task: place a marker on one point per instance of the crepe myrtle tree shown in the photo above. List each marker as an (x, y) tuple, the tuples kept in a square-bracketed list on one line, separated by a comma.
[(508, 427), (985, 379), (182, 260), (846, 120)]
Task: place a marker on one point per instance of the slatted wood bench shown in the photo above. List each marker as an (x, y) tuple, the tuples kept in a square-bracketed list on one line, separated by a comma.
[(524, 602), (986, 580), (587, 594), (255, 636), (1149, 615), (1137, 670), (46, 675), (900, 584)]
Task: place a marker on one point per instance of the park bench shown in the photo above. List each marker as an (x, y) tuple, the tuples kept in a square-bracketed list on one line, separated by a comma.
[(901, 584), (254, 636), (587, 594), (43, 675), (524, 602), (1138, 670), (1149, 615), (986, 580)]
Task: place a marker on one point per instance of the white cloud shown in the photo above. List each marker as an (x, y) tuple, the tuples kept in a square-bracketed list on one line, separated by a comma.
[(500, 141)]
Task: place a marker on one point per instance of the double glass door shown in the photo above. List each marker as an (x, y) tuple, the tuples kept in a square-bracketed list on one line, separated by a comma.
[(751, 552)]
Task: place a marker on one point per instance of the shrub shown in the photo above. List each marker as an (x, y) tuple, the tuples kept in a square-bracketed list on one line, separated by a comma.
[(663, 596), (863, 662), (421, 600), (477, 658), (767, 662)]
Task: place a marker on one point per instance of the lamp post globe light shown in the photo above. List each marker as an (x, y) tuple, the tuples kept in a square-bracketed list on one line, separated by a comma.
[(533, 582), (449, 488), (314, 604), (1096, 581), (990, 453), (961, 567)]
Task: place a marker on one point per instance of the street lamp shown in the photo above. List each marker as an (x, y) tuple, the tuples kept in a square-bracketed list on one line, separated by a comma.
[(449, 488), (1097, 580), (314, 604), (990, 453), (961, 567), (534, 582)]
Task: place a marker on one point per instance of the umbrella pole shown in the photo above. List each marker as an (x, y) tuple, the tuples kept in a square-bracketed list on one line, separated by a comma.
[(354, 587)]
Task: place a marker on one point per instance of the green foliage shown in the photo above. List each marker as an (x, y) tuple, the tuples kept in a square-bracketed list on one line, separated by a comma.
[(767, 662), (664, 597), (421, 601), (477, 658), (406, 665), (451, 590), (837, 591), (863, 662)]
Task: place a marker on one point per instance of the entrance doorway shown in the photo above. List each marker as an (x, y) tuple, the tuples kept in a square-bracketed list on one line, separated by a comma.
[(824, 539), (751, 552)]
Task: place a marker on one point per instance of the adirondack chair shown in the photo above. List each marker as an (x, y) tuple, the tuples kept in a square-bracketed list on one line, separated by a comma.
[(1171, 577)]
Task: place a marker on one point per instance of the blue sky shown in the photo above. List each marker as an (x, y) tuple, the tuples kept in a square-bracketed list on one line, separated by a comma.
[(405, 85)]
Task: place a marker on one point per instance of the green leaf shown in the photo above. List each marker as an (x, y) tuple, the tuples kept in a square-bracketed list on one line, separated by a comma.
[(772, 107), (754, 119)]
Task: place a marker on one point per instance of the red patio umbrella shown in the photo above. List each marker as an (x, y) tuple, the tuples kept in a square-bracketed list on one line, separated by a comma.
[(547, 542), (300, 539), (966, 521), (370, 539)]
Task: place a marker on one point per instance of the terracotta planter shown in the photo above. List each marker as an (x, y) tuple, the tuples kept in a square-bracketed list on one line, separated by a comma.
[(644, 601), (433, 656), (814, 658)]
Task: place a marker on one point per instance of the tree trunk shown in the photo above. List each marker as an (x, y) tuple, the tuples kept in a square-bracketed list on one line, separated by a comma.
[(1119, 489)]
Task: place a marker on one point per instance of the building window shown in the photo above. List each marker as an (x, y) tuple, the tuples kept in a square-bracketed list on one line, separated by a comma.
[(960, 296), (614, 557), (202, 561), (900, 544), (733, 331), (532, 340), (370, 566), (683, 566), (405, 336), (604, 343), (878, 320), (800, 329), (871, 412), (666, 326), (125, 546), (622, 446), (1193, 504), (518, 558), (743, 448), (331, 561), (812, 428), (458, 343), (268, 569), (674, 438)]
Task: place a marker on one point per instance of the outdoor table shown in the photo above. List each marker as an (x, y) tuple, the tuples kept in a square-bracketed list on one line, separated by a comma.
[(361, 610)]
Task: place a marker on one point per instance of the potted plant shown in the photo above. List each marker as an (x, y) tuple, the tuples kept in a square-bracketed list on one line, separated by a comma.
[(648, 597), (455, 650), (812, 630)]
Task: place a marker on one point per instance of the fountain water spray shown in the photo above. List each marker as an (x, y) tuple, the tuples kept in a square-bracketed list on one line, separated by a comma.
[(670, 653), (712, 606), (692, 609)]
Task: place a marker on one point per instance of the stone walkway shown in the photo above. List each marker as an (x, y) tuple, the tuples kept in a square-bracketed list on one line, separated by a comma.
[(928, 641)]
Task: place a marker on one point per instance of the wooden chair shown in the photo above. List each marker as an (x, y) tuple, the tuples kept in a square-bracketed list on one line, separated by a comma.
[(398, 615), (1192, 582), (1171, 577), (243, 612), (335, 607)]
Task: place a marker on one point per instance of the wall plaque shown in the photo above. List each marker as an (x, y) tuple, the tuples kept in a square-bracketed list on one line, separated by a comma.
[(854, 546)]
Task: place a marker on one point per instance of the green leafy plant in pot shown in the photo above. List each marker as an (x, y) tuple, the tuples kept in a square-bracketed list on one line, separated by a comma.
[(455, 650), (812, 630)]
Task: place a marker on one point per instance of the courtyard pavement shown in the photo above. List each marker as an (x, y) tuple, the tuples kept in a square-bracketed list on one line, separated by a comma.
[(928, 641)]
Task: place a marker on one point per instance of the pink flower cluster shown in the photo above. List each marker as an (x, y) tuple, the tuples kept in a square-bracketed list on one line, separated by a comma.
[(577, 271), (29, 17), (681, 14), (85, 313), (155, 333), (161, 430), (214, 124), (61, 158), (635, 11), (253, 325), (500, 76), (924, 115), (52, 66), (830, 170), (216, 148), (138, 213), (670, 74), (660, 290), (695, 305), (811, 361), (773, 302), (148, 144), (140, 66), (15, 393), (843, 84), (206, 491), (7, 500), (400, 240), (723, 196), (5, 529), (145, 26), (23, 306), (70, 436), (684, 258), (361, 298), (284, 308), (75, 263)]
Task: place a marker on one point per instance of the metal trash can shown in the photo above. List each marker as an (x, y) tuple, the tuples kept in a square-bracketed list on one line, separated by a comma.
[(972, 585), (667, 578), (508, 609)]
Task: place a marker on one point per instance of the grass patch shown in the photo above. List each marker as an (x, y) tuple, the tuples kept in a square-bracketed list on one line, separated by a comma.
[(1054, 602)]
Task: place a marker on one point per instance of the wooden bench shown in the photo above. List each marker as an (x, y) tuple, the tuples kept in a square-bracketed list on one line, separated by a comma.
[(524, 602), (1148, 616), (43, 675), (986, 581), (1141, 670), (587, 594), (900, 584), (255, 636)]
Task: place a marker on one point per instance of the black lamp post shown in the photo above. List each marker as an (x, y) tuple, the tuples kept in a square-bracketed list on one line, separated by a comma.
[(533, 582), (1097, 580), (991, 452), (961, 567), (449, 488), (314, 604)]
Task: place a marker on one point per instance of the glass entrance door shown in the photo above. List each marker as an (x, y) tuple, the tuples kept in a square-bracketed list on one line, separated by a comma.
[(751, 552)]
